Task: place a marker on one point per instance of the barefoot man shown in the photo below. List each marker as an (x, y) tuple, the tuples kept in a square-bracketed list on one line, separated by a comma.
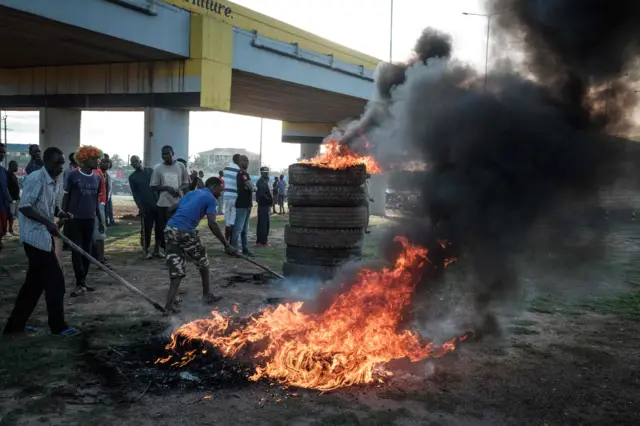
[(184, 242)]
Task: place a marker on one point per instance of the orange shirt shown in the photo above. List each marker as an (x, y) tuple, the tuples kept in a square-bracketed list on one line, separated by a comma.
[(102, 197)]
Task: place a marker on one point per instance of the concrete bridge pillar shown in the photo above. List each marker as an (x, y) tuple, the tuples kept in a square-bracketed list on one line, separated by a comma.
[(60, 128), (378, 191), (309, 150), (165, 127)]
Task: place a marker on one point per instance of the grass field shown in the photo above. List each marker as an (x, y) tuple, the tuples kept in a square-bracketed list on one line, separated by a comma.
[(562, 361)]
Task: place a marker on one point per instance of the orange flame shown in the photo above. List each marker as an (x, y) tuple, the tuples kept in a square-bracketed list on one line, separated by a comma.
[(338, 156), (347, 344)]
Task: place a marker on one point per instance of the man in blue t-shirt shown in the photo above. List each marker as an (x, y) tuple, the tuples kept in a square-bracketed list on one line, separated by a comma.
[(183, 241), (81, 198)]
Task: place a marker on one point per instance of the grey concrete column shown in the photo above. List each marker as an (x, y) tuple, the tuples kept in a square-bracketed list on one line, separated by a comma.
[(378, 191), (309, 150), (165, 127), (60, 128)]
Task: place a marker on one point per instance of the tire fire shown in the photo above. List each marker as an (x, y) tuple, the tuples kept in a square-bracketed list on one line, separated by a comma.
[(338, 156), (349, 343)]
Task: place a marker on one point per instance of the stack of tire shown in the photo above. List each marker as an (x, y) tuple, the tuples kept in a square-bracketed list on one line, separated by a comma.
[(326, 220)]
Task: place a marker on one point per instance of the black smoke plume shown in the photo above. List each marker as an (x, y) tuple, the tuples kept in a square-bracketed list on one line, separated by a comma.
[(527, 149), (431, 44)]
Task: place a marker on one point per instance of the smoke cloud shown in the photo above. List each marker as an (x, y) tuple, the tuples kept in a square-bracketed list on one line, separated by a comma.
[(527, 149)]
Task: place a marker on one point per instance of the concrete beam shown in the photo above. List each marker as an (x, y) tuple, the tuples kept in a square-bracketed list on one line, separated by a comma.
[(305, 133), (249, 20), (274, 59), (167, 29), (128, 78)]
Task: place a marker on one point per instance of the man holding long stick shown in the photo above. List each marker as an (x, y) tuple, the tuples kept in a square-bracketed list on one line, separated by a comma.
[(38, 207), (183, 240)]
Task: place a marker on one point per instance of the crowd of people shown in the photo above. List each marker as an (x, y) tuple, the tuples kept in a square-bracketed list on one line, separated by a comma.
[(171, 203)]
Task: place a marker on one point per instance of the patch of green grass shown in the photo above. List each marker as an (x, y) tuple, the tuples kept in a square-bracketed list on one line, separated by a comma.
[(522, 331), (524, 323), (542, 305), (28, 358), (625, 305), (548, 305), (35, 406)]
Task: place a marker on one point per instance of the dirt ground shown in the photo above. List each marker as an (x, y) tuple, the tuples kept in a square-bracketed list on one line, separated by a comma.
[(561, 363)]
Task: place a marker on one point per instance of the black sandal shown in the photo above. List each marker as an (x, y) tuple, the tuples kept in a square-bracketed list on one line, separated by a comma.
[(210, 299)]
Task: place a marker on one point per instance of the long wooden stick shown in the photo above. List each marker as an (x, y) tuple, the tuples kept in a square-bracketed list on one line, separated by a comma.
[(117, 277), (259, 265)]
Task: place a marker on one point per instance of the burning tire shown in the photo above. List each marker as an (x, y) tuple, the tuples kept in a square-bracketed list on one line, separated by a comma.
[(326, 196), (308, 271), (322, 257), (328, 217), (307, 174), (323, 238)]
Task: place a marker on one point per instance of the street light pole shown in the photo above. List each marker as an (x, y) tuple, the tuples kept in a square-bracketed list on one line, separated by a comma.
[(486, 54), (391, 33), (261, 124)]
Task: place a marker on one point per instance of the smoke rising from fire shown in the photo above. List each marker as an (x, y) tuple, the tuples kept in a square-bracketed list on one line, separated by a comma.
[(505, 158)]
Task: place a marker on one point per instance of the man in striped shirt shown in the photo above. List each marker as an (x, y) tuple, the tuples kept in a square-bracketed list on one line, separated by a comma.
[(38, 207), (230, 195)]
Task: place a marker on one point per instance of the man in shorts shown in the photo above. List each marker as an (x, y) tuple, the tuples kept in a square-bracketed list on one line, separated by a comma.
[(183, 241)]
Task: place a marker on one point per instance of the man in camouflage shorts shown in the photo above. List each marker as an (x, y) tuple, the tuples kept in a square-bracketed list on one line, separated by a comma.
[(183, 241)]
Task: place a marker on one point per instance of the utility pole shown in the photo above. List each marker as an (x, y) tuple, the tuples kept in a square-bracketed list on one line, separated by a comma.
[(261, 124), (486, 54), (391, 33), (3, 121)]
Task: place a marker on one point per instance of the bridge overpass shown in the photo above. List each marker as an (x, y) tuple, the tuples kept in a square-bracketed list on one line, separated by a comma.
[(170, 57)]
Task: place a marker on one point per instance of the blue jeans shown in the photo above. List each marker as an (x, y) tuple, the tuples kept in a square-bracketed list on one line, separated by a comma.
[(109, 209), (240, 228)]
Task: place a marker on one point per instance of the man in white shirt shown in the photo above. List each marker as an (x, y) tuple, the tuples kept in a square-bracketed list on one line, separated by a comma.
[(170, 179), (230, 195)]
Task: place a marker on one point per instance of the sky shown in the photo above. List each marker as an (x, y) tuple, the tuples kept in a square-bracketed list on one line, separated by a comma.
[(357, 24)]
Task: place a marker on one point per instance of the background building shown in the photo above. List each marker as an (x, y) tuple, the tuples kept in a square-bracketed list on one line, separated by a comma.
[(218, 158)]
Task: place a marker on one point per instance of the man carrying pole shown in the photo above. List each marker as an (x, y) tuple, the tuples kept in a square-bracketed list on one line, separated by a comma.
[(183, 241), (37, 209)]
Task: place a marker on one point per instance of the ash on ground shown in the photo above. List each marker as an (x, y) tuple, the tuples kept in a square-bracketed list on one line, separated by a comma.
[(209, 371)]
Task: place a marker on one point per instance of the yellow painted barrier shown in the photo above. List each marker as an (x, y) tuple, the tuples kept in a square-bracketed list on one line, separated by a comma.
[(249, 20)]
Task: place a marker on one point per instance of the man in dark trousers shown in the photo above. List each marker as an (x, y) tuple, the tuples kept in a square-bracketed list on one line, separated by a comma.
[(264, 198), (13, 188), (244, 202), (82, 192), (170, 179), (275, 193), (38, 208), (184, 242), (5, 199), (146, 199), (36, 159)]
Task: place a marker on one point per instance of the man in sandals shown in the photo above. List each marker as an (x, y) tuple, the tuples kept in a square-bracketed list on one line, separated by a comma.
[(183, 242), (38, 207), (84, 195)]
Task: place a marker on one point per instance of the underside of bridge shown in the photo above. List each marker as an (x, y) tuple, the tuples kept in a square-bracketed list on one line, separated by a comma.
[(251, 94), (280, 100), (28, 40)]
